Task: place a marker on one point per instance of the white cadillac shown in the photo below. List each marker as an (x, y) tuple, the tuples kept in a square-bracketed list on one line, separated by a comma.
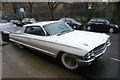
[(57, 39)]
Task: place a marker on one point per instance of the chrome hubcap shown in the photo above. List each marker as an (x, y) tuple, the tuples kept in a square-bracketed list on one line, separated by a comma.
[(70, 61)]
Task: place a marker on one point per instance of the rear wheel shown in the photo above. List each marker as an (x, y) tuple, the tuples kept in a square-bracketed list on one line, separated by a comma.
[(69, 61)]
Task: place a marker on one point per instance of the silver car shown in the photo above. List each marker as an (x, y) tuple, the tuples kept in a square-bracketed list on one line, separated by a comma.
[(57, 39)]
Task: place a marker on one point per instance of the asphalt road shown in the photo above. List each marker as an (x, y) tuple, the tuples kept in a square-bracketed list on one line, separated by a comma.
[(27, 63)]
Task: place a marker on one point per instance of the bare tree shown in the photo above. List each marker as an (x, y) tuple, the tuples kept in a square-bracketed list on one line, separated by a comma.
[(15, 8), (52, 7), (31, 4), (3, 8)]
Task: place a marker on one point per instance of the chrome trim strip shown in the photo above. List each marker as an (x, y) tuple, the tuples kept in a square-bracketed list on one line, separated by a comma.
[(47, 41), (27, 37), (18, 36), (52, 54), (87, 61)]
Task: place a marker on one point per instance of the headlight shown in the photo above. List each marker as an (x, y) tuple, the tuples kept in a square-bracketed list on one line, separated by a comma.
[(89, 55), (92, 54), (116, 26)]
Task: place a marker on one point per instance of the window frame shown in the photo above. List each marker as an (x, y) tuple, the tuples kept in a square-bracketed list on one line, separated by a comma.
[(35, 26), (101, 21), (93, 21)]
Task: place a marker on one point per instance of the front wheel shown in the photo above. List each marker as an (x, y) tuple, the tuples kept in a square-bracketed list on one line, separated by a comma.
[(111, 30), (88, 28), (69, 61), (74, 26)]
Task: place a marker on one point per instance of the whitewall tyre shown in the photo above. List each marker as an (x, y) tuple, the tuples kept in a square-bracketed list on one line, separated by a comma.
[(69, 61)]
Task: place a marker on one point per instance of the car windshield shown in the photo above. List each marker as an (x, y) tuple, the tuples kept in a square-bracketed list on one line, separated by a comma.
[(107, 21), (57, 28)]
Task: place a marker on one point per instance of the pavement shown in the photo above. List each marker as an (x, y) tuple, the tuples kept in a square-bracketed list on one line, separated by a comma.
[(27, 63)]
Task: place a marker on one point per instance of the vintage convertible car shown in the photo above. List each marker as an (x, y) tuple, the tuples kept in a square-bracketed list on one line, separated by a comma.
[(58, 39)]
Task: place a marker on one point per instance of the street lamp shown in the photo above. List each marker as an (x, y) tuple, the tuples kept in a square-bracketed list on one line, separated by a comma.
[(89, 6), (89, 9), (69, 8)]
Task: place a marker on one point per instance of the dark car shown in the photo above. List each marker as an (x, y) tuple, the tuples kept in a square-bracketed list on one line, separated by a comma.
[(73, 23), (16, 22), (100, 24), (28, 21)]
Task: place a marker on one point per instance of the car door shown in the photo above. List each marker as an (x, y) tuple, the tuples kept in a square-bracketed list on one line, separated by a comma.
[(101, 25), (35, 36), (92, 24)]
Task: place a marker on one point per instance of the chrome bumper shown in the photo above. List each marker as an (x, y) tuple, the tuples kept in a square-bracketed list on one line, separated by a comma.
[(88, 62)]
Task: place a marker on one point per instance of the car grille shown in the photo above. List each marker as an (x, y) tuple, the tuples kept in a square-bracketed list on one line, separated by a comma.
[(99, 49)]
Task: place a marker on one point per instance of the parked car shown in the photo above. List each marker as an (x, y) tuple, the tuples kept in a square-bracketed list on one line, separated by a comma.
[(56, 38), (16, 22), (100, 24), (3, 21), (28, 21), (73, 23)]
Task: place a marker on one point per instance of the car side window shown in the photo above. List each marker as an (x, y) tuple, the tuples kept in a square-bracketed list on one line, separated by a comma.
[(92, 21), (68, 21), (100, 21), (35, 30)]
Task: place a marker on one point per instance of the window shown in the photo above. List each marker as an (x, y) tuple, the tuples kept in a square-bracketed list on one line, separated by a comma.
[(101, 21), (92, 21), (36, 30), (57, 28), (70, 19), (62, 19), (107, 22)]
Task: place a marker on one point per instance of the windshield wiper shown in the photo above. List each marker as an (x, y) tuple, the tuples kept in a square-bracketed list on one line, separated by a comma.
[(65, 31)]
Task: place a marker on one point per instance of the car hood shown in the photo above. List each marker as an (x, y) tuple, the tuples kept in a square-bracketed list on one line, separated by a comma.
[(82, 39)]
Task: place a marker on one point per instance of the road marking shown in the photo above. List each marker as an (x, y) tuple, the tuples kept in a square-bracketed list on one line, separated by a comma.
[(115, 59)]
